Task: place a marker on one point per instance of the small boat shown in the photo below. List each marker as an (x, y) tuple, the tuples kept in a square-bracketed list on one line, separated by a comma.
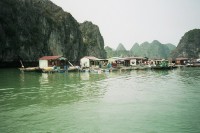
[(195, 64), (48, 70), (73, 69), (163, 67), (141, 67), (125, 68), (30, 69), (53, 69)]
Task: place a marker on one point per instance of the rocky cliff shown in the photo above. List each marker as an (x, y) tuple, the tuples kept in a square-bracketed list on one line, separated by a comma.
[(189, 45), (92, 39), (30, 29)]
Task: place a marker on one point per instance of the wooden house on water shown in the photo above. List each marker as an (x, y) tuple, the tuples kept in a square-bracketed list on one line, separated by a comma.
[(181, 61), (158, 62), (133, 61), (92, 62), (48, 62)]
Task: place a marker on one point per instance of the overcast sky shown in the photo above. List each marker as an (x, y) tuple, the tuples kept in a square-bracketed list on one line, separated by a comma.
[(131, 21)]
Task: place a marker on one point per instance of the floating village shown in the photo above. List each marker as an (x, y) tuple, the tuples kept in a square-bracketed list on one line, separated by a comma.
[(51, 64)]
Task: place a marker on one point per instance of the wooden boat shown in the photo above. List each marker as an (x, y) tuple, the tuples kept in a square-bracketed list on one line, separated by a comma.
[(58, 69), (196, 64), (73, 69), (141, 67), (48, 70), (30, 69), (125, 68), (52, 70), (163, 67)]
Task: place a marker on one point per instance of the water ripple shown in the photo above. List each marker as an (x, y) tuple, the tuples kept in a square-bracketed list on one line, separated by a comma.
[(135, 101)]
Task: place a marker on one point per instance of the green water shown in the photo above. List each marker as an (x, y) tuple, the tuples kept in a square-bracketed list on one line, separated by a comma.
[(126, 102)]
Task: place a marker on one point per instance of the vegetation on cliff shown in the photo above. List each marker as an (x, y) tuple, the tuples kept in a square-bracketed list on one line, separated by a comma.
[(189, 45), (151, 50), (92, 39), (30, 29), (121, 51)]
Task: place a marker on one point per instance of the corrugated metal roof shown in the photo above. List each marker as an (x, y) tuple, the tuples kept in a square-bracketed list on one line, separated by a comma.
[(49, 57)]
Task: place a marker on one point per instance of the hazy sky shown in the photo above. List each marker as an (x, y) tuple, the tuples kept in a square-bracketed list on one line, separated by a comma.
[(131, 21)]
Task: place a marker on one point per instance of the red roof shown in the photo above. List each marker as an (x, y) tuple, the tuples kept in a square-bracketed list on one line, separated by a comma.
[(49, 57)]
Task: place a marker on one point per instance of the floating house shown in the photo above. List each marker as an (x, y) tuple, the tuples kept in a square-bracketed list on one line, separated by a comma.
[(193, 63), (115, 62), (91, 61), (198, 60), (50, 61), (133, 61), (158, 62), (181, 61), (196, 63), (114, 59)]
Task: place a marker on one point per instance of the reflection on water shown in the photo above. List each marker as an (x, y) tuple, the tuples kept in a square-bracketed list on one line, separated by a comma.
[(59, 88), (44, 79), (85, 76), (130, 101)]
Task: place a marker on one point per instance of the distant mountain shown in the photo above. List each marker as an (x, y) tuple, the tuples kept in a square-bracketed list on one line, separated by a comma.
[(110, 52), (107, 48), (144, 49), (119, 52), (120, 47), (171, 46), (189, 45), (152, 50), (135, 50)]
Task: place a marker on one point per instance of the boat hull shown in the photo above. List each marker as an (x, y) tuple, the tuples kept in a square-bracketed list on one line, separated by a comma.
[(31, 69)]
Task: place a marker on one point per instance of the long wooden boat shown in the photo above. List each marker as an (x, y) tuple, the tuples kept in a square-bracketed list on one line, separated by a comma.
[(48, 70), (163, 67), (125, 68), (52, 70), (193, 65), (58, 69), (30, 69), (141, 67), (73, 69)]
